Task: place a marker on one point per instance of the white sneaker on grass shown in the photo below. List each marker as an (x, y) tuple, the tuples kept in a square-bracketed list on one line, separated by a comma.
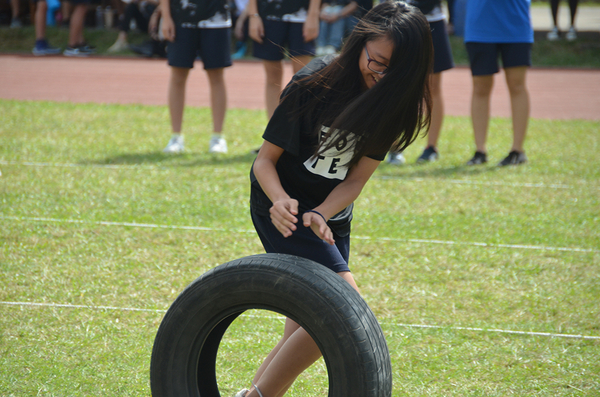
[(571, 34), (175, 145), (553, 34), (217, 144), (396, 158)]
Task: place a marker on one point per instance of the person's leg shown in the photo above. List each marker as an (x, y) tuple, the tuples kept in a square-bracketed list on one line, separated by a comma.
[(177, 84), (336, 33), (299, 62), (437, 109), (76, 25), (573, 8), (274, 77), (218, 98), (15, 10), (519, 102), (480, 109), (294, 353), (41, 10), (554, 10)]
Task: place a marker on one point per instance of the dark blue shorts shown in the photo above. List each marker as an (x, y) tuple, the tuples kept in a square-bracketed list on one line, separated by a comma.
[(278, 35), (303, 243), (483, 57), (442, 52), (212, 45)]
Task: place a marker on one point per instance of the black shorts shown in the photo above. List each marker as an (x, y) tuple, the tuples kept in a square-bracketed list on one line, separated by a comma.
[(483, 57), (303, 243), (442, 52), (213, 46), (278, 36)]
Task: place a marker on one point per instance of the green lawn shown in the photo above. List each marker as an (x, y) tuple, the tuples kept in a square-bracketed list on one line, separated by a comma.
[(100, 231)]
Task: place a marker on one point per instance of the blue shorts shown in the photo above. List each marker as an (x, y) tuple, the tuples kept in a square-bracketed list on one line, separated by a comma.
[(303, 243), (278, 35), (212, 45), (483, 57), (442, 52)]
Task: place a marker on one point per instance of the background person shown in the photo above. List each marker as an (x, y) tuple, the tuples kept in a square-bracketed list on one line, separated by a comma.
[(337, 120), (499, 28), (138, 11), (554, 34), (442, 55), (276, 25), (197, 29), (332, 28), (42, 47)]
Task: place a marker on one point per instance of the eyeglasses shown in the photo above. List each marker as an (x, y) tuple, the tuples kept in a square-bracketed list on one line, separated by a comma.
[(374, 66)]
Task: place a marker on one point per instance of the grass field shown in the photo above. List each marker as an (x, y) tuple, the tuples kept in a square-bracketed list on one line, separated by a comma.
[(486, 280)]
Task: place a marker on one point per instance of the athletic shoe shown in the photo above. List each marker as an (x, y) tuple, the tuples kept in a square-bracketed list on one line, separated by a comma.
[(429, 154), (478, 158), (571, 34), (43, 48), (242, 393), (120, 45), (513, 158), (396, 158), (553, 34), (79, 51), (175, 145), (16, 23), (217, 144)]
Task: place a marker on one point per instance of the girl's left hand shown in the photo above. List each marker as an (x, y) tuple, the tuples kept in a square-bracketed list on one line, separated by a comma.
[(318, 226)]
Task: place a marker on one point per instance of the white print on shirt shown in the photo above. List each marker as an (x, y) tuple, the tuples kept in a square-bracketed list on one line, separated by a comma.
[(332, 163)]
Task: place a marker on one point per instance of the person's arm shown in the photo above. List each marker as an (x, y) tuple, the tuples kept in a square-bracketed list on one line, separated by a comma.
[(168, 26), (348, 10), (256, 29), (340, 197), (284, 209), (153, 24), (239, 25), (310, 29)]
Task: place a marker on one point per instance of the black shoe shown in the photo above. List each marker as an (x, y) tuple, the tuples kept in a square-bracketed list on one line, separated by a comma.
[(429, 154), (478, 158), (513, 158), (144, 49)]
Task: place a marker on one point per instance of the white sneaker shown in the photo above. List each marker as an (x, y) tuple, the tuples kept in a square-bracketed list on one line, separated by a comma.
[(396, 158), (217, 144), (242, 393), (119, 46), (175, 145), (571, 34), (553, 34)]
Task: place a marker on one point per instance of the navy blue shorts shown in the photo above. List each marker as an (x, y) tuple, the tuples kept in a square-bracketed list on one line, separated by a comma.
[(483, 57), (442, 52), (212, 45), (303, 243), (278, 35)]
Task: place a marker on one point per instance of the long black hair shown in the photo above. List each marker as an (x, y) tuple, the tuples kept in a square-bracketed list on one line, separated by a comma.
[(392, 113)]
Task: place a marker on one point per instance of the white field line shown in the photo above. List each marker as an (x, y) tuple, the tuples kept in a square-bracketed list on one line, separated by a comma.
[(279, 317), (486, 183), (454, 181), (210, 229)]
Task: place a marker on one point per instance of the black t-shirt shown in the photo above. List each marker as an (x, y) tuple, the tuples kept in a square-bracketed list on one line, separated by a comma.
[(304, 177)]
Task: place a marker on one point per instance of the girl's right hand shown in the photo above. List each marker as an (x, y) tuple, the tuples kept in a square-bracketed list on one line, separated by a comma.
[(283, 216), (168, 28), (256, 29)]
